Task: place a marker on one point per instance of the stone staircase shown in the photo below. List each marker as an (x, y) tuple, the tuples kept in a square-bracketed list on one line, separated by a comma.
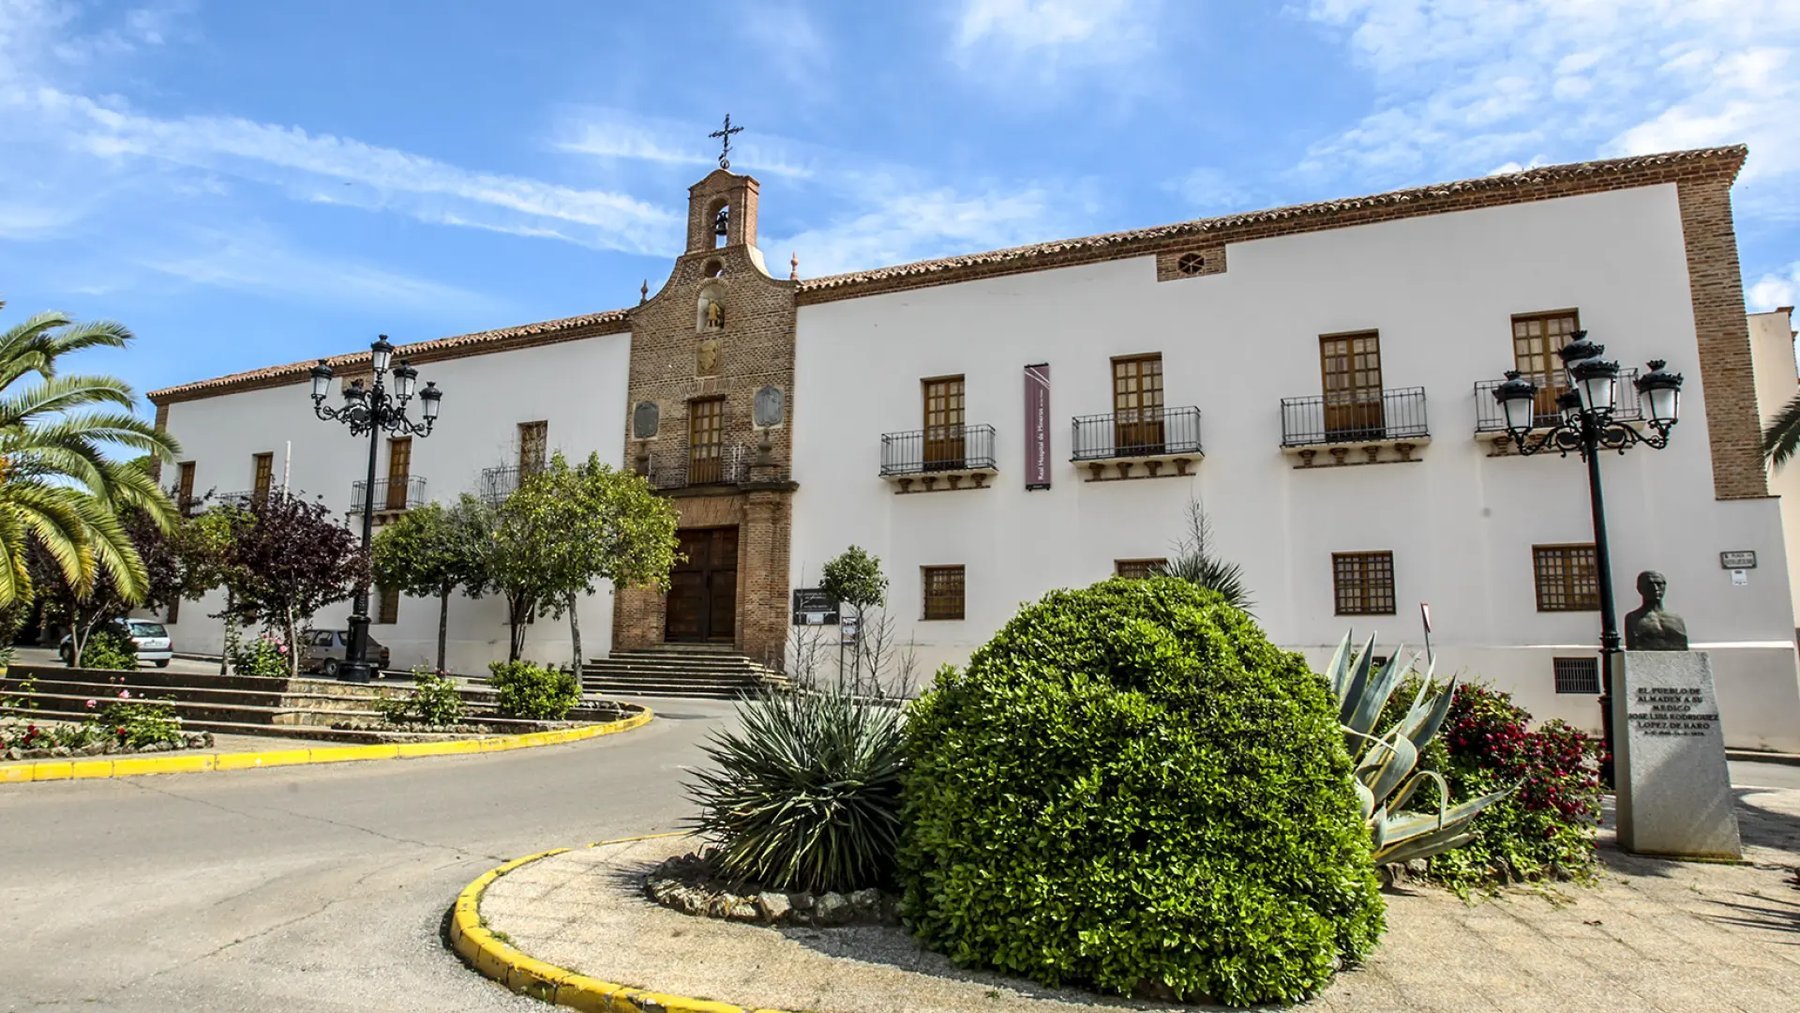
[(234, 705), (693, 670)]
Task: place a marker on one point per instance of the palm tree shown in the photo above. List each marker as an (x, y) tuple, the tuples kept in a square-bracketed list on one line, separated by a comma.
[(1782, 438), (59, 486), (1195, 562)]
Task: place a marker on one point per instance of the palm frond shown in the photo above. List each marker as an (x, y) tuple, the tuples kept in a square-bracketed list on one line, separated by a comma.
[(1782, 438)]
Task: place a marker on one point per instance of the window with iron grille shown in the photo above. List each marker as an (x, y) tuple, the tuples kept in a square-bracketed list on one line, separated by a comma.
[(388, 613), (1137, 569), (1566, 578), (1363, 582), (1577, 675), (943, 591), (706, 440)]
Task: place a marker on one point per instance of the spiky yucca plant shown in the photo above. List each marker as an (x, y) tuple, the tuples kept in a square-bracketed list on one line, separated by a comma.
[(1385, 776), (807, 795)]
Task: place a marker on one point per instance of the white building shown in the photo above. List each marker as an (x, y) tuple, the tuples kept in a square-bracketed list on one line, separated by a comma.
[(1316, 376)]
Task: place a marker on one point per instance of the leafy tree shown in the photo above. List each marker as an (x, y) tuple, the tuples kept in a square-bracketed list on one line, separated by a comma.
[(86, 608), (854, 578), (289, 558), (61, 485), (568, 527), (433, 550), (202, 545)]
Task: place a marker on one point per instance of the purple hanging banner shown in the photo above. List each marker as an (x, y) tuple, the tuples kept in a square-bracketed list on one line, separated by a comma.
[(1037, 426)]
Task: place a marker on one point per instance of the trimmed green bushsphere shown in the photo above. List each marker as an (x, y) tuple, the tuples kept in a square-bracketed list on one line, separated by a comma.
[(1130, 788)]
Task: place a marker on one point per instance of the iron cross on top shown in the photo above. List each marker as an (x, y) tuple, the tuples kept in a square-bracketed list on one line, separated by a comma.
[(725, 138)]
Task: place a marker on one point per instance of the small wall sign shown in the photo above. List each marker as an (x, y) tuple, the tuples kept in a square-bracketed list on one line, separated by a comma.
[(813, 607), (1737, 559)]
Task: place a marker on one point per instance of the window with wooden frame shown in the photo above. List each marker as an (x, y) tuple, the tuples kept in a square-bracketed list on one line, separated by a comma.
[(1138, 569), (1577, 675), (1567, 578), (943, 591), (1350, 376), (399, 472), (534, 442), (1138, 404), (1363, 583), (263, 472), (387, 612), (184, 488), (943, 397), (1537, 337), (706, 441)]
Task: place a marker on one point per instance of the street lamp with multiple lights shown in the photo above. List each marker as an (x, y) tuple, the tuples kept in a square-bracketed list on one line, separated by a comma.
[(1586, 426), (373, 410)]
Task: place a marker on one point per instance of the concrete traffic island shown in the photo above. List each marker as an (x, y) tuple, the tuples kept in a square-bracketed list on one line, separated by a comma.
[(574, 927)]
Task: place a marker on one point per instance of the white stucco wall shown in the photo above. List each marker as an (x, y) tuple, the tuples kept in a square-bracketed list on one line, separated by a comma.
[(1441, 290), (1772, 352), (578, 387)]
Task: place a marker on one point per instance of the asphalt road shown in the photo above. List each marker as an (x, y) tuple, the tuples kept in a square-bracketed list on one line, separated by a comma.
[(311, 888)]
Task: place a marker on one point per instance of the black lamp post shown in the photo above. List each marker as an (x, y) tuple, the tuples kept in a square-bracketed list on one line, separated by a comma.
[(1586, 426), (373, 411)]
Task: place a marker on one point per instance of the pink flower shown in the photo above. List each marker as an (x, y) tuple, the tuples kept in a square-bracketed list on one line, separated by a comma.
[(90, 705), (124, 694)]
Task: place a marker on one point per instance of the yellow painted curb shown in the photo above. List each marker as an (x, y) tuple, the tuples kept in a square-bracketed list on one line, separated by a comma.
[(193, 763), (483, 951)]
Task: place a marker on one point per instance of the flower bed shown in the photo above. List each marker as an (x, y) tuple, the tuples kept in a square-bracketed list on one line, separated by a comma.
[(691, 884)]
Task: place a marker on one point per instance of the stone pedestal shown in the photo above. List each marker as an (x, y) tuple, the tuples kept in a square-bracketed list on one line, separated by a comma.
[(1674, 791)]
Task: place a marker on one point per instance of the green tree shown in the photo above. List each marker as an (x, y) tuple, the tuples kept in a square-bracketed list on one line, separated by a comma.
[(854, 578), (62, 485), (569, 527), (202, 547), (432, 551)]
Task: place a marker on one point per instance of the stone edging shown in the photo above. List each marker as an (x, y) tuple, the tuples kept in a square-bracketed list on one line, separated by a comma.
[(83, 769), (492, 958)]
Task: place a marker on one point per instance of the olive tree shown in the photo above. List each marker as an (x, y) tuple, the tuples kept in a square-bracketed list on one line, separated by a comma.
[(433, 550)]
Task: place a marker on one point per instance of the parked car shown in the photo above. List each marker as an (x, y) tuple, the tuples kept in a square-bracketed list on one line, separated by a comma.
[(327, 650), (150, 638)]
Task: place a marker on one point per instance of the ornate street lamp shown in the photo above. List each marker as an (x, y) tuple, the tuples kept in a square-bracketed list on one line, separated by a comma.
[(373, 410), (1586, 426)]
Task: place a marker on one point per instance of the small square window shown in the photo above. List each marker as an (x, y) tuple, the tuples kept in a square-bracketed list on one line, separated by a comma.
[(1577, 675), (943, 591), (1138, 569), (1363, 583), (1567, 578)]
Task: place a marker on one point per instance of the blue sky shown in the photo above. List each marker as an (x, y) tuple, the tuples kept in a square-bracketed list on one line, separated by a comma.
[(249, 183)]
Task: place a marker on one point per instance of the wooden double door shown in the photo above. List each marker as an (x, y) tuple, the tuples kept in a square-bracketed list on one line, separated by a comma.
[(1351, 368), (702, 600)]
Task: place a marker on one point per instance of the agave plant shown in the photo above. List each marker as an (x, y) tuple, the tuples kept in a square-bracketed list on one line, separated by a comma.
[(1386, 762), (807, 795)]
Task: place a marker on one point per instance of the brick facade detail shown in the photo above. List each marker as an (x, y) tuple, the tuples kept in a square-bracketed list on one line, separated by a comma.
[(677, 357), (1723, 338)]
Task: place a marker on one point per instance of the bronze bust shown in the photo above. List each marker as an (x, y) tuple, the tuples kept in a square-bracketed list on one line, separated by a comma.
[(1650, 627)]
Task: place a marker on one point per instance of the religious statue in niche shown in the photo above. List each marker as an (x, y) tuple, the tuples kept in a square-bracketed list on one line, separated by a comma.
[(712, 311), (1650, 627), (706, 358)]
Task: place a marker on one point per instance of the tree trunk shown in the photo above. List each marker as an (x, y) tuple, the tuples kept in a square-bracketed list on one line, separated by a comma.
[(443, 624), (230, 626), (293, 654), (515, 617), (575, 634)]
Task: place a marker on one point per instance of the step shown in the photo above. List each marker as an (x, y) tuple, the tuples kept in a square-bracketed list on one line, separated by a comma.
[(706, 693)]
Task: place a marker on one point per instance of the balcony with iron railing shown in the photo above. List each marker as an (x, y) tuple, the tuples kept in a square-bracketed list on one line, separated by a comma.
[(391, 495), (1137, 442), (496, 484), (1490, 419), (939, 457), (706, 465), (1353, 428)]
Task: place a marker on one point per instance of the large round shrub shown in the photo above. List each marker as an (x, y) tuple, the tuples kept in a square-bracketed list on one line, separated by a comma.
[(1129, 787)]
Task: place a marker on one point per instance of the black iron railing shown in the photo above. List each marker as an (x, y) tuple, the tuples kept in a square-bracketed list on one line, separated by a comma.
[(241, 499), (1137, 432), (941, 448), (1397, 414), (499, 483), (1491, 418), (719, 464), (390, 494)]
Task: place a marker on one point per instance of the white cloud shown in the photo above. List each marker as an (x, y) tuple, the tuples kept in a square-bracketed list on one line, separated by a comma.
[(1045, 41), (1774, 290), (621, 135), (1209, 190)]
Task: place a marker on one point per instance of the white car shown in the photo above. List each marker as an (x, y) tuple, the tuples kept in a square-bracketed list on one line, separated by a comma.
[(149, 636)]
